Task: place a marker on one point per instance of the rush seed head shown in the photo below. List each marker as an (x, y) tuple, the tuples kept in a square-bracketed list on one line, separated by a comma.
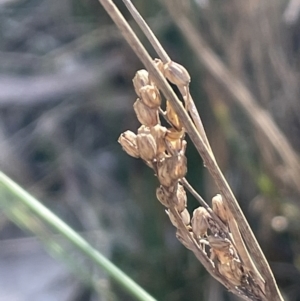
[(176, 74), (146, 146), (150, 96), (144, 114), (128, 143), (140, 80)]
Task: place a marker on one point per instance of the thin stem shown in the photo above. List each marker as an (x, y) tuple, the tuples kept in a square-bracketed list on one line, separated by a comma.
[(165, 59), (147, 31), (7, 185)]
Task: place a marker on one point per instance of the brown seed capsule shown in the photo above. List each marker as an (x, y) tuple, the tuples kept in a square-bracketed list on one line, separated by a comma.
[(178, 167), (200, 222), (140, 80), (150, 96), (172, 116), (128, 143), (146, 146), (163, 173), (173, 134), (174, 147), (159, 132), (172, 169), (177, 74), (179, 198), (162, 196), (232, 271), (143, 130), (145, 115), (219, 208), (185, 217)]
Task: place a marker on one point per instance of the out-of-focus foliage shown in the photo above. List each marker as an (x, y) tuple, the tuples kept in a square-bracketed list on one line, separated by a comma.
[(66, 95)]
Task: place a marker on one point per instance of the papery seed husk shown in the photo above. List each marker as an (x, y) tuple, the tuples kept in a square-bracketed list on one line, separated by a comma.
[(179, 198), (159, 132), (186, 218), (150, 96), (140, 80), (144, 114), (174, 147), (144, 130), (172, 169), (128, 143), (177, 74), (146, 146), (163, 173), (162, 196), (200, 222), (178, 167), (173, 134), (232, 272), (219, 208), (172, 116)]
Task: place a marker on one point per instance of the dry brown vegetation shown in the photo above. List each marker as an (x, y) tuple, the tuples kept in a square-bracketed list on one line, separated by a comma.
[(66, 95)]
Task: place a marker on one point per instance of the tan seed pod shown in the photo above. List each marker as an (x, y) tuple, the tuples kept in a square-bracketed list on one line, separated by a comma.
[(174, 147), (162, 196), (179, 198), (178, 167), (177, 74), (159, 132), (185, 217), (200, 222), (173, 134), (163, 173), (232, 271), (219, 208), (144, 130), (146, 146), (145, 115), (218, 243), (128, 143), (141, 79), (150, 96), (171, 169), (172, 116)]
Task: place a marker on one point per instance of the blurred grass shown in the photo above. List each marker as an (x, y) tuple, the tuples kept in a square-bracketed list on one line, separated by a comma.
[(32, 216)]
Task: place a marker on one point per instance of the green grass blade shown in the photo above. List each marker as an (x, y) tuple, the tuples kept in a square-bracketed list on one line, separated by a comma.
[(10, 191)]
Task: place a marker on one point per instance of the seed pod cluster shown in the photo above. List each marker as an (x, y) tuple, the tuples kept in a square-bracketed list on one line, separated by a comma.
[(163, 150)]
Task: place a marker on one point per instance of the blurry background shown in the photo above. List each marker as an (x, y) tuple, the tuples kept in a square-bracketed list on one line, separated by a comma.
[(65, 97)]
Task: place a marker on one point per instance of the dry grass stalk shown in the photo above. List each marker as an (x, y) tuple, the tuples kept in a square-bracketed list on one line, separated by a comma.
[(211, 234), (289, 171)]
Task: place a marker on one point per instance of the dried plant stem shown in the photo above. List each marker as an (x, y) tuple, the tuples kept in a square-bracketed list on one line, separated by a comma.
[(165, 58), (198, 197), (272, 291), (260, 118)]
